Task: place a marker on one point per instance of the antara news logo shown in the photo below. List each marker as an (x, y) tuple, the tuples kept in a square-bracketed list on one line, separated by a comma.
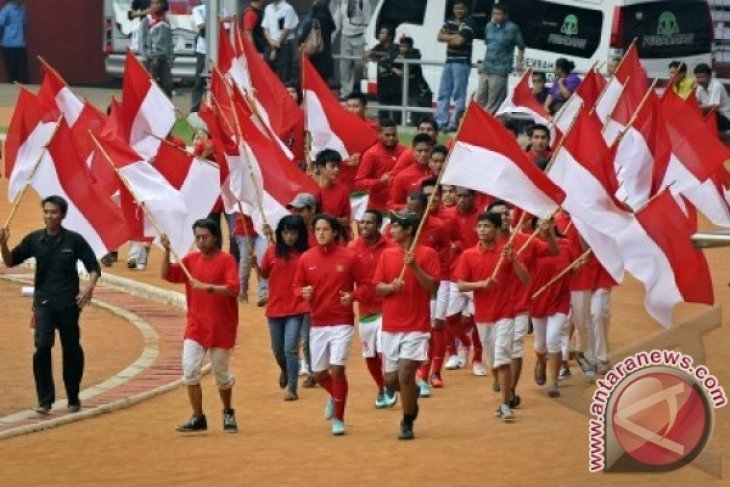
[(653, 412)]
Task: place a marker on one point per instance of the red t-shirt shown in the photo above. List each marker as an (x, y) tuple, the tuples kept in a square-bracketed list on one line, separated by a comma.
[(516, 288), (244, 226), (477, 264), (435, 234), (405, 183), (534, 156), (330, 270), (465, 227), (556, 298), (369, 255), (405, 160), (212, 318), (335, 200), (410, 308), (377, 161), (347, 174), (280, 273)]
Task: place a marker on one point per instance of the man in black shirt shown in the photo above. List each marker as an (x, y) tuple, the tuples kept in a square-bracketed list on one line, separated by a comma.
[(57, 301)]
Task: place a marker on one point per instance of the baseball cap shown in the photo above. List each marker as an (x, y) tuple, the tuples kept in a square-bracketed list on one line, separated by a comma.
[(405, 218), (302, 200)]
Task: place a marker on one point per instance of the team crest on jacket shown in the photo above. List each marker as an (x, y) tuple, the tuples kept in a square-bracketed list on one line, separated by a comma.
[(340, 268)]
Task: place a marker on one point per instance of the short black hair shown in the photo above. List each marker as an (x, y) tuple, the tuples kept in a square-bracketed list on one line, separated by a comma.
[(501, 7), (461, 2), (419, 196), (334, 223), (432, 181), (386, 123), (406, 40), (538, 126), (496, 203), (291, 222), (703, 68), (440, 149), (58, 201), (539, 74), (680, 66), (327, 155), (429, 120), (422, 138), (377, 214), (493, 218), (565, 65), (210, 225), (357, 95)]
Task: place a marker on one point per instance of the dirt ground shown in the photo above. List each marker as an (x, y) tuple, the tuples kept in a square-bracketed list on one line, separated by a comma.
[(459, 442)]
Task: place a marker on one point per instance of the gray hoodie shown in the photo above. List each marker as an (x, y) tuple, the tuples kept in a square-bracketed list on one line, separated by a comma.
[(156, 41)]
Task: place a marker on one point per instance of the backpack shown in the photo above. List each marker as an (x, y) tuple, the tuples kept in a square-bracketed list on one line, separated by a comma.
[(313, 43)]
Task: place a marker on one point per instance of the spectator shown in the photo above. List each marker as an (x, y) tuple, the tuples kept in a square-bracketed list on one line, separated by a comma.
[(157, 48), (253, 18), (389, 85), (539, 91), (280, 23), (501, 37), (419, 93), (458, 35), (139, 9), (13, 18), (612, 66), (320, 18), (200, 19), (351, 20), (566, 82), (711, 95), (683, 85)]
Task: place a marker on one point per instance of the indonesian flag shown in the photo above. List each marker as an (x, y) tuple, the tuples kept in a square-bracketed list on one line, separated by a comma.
[(486, 158), (643, 154), (91, 212), (630, 77), (197, 180), (29, 131), (658, 250), (269, 181), (329, 124), (230, 63), (149, 187), (521, 100), (226, 151), (585, 95), (146, 114), (583, 168), (57, 98)]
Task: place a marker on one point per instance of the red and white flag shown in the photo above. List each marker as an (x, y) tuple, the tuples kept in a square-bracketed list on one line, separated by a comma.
[(486, 158), (585, 95), (57, 98), (658, 251), (521, 100), (91, 212), (197, 180), (146, 114), (29, 131), (230, 63), (583, 168), (147, 186), (330, 125), (630, 77)]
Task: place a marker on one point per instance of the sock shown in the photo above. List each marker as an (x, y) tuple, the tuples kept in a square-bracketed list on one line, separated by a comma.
[(463, 333), (478, 349), (339, 394), (452, 323), (408, 419), (423, 371), (375, 367), (438, 348), (325, 382)]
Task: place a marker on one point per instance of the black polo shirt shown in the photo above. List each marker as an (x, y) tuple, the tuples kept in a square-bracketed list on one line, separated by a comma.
[(56, 275)]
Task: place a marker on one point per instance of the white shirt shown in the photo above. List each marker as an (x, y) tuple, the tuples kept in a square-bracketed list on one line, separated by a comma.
[(199, 19), (280, 16), (714, 95), (351, 17)]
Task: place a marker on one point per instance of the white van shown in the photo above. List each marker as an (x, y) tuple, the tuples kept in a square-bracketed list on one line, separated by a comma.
[(584, 31)]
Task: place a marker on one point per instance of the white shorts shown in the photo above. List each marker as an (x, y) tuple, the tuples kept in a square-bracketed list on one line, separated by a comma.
[(192, 364), (370, 340), (497, 341), (459, 303), (407, 345), (329, 345), (440, 304), (522, 321)]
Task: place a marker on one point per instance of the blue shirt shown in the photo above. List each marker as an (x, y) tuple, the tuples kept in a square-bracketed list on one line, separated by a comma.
[(501, 40), (12, 20)]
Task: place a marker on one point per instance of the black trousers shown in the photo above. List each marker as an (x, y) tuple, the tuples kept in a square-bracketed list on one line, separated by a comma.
[(161, 71), (47, 319), (199, 86), (16, 64)]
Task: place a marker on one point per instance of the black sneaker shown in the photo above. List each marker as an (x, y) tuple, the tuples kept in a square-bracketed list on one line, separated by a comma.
[(229, 421), (74, 406), (44, 409), (515, 401), (406, 431), (195, 423)]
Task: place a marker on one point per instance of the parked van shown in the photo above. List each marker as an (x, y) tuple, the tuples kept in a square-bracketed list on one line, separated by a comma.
[(585, 31)]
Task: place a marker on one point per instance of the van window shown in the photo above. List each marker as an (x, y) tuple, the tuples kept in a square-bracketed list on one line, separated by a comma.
[(480, 12), (668, 29), (547, 26), (396, 12)]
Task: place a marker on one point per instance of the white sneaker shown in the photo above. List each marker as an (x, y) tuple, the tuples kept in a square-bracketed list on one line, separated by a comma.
[(478, 369), (452, 363), (303, 369), (463, 358)]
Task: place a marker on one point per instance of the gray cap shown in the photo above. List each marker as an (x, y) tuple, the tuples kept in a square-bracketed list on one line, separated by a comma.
[(405, 218), (303, 200)]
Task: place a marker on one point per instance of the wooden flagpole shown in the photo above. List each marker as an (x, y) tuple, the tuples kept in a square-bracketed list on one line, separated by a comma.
[(178, 148), (577, 262), (509, 243), (635, 116), (603, 92)]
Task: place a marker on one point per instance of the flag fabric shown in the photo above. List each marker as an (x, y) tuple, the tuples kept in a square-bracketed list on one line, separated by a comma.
[(197, 180), (630, 76), (147, 186), (486, 158), (231, 63), (145, 114), (584, 96), (329, 124), (521, 100), (583, 168), (633, 92), (29, 131), (91, 212), (57, 98), (658, 249)]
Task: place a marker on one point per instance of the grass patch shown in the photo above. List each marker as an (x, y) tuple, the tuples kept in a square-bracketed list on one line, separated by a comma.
[(183, 130)]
